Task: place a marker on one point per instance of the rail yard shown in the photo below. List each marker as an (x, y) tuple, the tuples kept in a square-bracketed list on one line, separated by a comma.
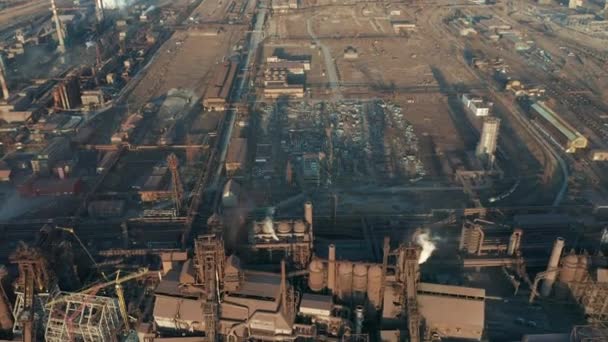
[(303, 170)]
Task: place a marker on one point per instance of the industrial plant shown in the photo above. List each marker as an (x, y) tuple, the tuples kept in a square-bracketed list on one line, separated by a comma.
[(303, 170)]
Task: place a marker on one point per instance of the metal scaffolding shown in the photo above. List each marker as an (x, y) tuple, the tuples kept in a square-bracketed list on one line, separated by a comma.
[(593, 297), (209, 262), (83, 317)]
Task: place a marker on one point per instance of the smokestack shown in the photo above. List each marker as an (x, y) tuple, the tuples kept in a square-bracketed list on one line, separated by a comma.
[(359, 318), (283, 286), (3, 84), (556, 253), (99, 11), (331, 268), (515, 241), (308, 212), (58, 27)]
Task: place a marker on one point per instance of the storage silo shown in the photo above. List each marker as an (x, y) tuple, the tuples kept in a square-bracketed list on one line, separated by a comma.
[(308, 212), (374, 286), (360, 278), (568, 269), (316, 276), (284, 227), (581, 268), (345, 279), (299, 227)]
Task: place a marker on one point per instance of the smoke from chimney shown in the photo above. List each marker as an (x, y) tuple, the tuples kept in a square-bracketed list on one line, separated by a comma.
[(424, 240)]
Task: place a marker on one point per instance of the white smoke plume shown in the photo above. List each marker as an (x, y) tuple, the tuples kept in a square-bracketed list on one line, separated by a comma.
[(268, 228), (424, 240)]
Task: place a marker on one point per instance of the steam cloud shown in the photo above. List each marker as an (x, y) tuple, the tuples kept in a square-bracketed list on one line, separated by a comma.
[(423, 239), (268, 228)]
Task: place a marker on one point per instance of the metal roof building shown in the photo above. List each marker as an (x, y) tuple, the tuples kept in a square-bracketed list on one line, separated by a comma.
[(453, 311), (561, 131)]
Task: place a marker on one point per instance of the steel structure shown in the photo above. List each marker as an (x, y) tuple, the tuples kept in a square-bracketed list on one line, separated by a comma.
[(209, 263), (409, 277), (34, 287), (593, 297), (83, 317), (178, 188)]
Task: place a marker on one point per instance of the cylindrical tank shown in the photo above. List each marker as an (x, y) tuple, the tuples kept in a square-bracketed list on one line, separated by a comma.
[(556, 253), (308, 212), (359, 318), (345, 278), (568, 269), (581, 268), (360, 278), (299, 227), (374, 286), (6, 317), (331, 267), (316, 275), (284, 227)]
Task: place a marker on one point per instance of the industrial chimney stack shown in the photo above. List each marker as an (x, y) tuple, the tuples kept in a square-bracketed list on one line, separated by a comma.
[(552, 267), (3, 84)]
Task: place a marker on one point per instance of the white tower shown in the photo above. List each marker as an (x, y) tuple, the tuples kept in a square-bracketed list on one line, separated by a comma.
[(488, 140)]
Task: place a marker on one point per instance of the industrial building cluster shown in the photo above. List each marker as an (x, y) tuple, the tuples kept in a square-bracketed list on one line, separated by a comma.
[(303, 170)]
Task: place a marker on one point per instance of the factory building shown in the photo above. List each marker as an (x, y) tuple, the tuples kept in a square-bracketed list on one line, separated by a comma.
[(486, 148), (236, 156), (276, 84), (476, 105), (480, 237), (292, 238), (560, 131), (218, 93), (599, 155), (58, 149), (156, 185), (466, 323), (276, 77), (66, 94)]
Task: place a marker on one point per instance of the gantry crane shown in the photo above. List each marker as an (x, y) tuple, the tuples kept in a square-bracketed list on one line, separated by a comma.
[(178, 189)]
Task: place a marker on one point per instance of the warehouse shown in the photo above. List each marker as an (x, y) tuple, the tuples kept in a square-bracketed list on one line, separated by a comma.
[(216, 97), (560, 131), (236, 155)]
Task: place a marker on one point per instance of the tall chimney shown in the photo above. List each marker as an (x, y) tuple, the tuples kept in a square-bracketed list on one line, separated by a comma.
[(3, 84), (60, 37), (99, 11), (283, 286), (308, 212), (331, 267), (556, 253)]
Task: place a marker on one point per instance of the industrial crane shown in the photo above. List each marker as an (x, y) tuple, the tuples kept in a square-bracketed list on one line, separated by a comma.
[(117, 282), (119, 291), (178, 189)]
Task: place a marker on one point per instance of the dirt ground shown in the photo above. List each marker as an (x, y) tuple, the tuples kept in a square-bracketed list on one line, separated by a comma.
[(187, 60)]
